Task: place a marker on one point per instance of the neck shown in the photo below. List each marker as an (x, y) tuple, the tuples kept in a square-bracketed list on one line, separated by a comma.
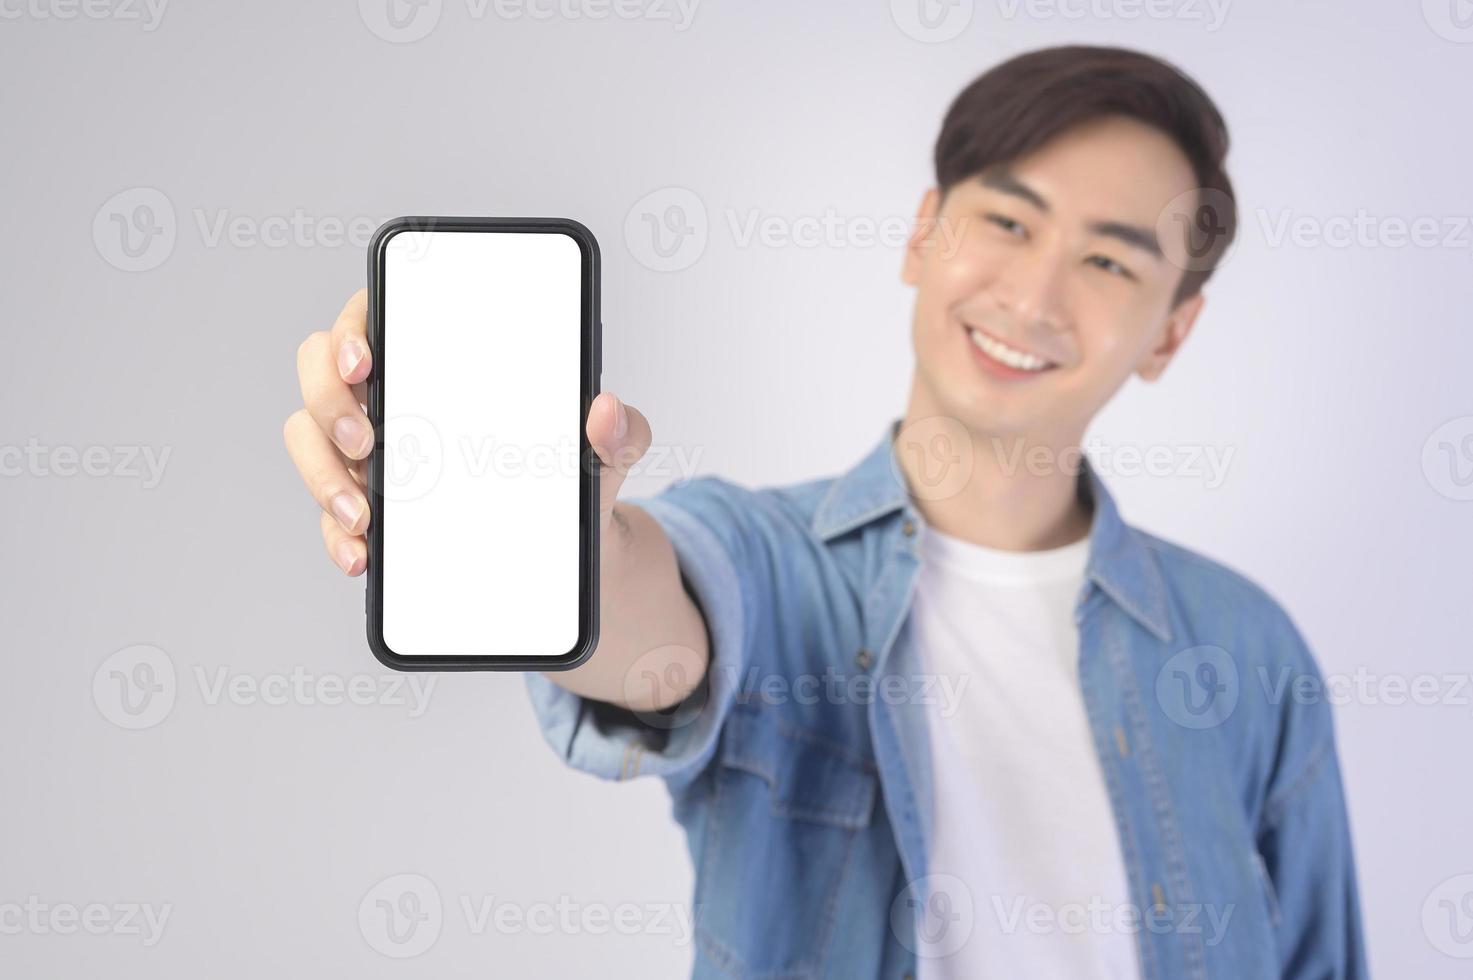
[(1007, 502)]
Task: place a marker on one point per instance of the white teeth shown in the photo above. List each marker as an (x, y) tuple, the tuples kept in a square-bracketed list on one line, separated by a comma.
[(997, 350)]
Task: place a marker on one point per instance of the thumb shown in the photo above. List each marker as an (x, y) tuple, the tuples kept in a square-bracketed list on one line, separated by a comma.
[(620, 435)]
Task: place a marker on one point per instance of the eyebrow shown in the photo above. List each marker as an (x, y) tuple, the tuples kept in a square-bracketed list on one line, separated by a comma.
[(1134, 235)]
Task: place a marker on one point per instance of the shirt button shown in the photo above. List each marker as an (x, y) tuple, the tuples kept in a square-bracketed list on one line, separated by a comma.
[(864, 659), (908, 528)]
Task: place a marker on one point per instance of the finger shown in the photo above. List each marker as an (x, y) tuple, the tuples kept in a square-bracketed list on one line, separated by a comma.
[(350, 347), (620, 435), (325, 472), (348, 551), (330, 400)]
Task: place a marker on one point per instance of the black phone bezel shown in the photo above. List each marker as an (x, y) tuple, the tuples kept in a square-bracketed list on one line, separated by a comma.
[(590, 368)]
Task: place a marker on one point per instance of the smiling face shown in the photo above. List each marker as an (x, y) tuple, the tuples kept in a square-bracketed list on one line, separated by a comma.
[(1042, 287)]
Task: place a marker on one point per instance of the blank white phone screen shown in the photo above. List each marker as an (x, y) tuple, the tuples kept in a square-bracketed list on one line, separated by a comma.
[(482, 418)]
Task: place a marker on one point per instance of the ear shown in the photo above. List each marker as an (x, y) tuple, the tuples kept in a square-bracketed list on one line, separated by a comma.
[(1173, 335), (920, 238)]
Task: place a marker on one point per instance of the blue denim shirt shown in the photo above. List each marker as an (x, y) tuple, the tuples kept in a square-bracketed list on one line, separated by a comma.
[(800, 768)]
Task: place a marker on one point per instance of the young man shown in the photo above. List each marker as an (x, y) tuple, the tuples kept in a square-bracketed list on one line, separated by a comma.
[(947, 715)]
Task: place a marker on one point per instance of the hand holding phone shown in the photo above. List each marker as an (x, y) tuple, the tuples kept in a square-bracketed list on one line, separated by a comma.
[(460, 601)]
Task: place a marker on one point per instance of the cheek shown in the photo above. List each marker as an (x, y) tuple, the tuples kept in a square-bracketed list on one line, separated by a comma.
[(1110, 351), (1104, 343), (954, 273), (1115, 327)]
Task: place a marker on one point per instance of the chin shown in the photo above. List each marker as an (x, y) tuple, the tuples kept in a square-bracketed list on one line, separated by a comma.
[(986, 413)]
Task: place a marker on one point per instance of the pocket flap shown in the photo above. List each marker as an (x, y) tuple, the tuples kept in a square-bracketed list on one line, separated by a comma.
[(811, 776)]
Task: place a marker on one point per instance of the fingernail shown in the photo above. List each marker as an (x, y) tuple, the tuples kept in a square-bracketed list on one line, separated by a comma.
[(347, 557), (351, 435), (347, 509), (621, 419), (350, 355)]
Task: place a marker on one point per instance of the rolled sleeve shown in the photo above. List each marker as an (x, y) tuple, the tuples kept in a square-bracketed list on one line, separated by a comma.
[(705, 526)]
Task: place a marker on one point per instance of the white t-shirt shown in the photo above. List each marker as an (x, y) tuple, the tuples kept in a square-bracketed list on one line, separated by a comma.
[(1024, 837)]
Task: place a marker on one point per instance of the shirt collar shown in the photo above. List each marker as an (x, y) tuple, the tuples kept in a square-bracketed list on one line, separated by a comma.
[(1120, 563)]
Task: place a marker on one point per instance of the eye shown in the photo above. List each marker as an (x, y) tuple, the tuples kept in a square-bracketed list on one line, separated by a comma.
[(1110, 266), (1006, 224)]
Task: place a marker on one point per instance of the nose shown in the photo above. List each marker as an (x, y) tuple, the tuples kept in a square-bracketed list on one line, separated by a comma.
[(1031, 289)]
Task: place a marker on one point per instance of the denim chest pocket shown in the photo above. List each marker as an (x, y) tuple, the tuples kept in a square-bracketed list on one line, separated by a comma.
[(787, 807)]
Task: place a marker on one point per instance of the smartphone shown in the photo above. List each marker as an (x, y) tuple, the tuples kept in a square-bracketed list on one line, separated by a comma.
[(483, 541)]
